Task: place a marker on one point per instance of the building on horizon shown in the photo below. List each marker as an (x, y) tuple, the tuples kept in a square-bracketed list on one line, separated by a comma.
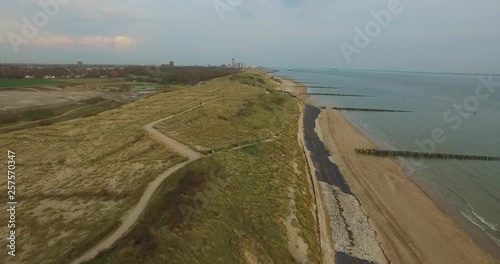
[(80, 63), (169, 65), (237, 65)]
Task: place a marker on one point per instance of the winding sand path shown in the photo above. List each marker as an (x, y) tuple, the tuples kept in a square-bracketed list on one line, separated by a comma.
[(131, 218)]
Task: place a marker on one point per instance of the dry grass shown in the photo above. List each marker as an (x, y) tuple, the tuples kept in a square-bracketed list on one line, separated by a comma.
[(243, 114), (230, 207), (77, 179), (14, 120)]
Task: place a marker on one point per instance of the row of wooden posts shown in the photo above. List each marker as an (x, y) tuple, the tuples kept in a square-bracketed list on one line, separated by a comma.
[(369, 110), (422, 155), (323, 87), (347, 95)]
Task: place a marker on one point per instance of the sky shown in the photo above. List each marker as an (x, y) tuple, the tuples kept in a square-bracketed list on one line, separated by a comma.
[(424, 35)]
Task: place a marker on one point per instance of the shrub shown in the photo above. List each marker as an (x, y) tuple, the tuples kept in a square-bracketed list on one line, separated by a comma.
[(8, 118), (37, 114), (45, 123)]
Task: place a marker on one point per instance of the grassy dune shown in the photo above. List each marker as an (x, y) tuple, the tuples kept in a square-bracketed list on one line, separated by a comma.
[(238, 205), (77, 179), (242, 115)]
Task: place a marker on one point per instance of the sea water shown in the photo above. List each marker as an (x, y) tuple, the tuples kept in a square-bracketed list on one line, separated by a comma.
[(442, 103)]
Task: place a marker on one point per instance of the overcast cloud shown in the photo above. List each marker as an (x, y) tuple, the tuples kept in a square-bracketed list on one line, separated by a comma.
[(428, 35)]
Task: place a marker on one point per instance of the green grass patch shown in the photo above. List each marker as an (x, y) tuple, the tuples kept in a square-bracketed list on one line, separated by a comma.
[(8, 118), (37, 114), (251, 150), (26, 82)]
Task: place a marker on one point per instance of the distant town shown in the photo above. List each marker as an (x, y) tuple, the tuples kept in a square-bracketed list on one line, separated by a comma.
[(82, 70)]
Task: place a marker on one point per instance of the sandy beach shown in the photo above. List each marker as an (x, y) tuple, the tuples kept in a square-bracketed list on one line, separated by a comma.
[(294, 88), (409, 226)]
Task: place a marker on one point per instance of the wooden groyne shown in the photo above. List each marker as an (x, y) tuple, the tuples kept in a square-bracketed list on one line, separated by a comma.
[(322, 87), (349, 95), (422, 155), (370, 110)]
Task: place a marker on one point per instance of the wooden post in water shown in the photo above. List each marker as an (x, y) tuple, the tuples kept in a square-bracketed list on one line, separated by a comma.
[(426, 155)]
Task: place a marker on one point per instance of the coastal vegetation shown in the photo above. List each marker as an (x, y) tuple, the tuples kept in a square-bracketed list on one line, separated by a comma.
[(17, 119), (4, 83), (26, 75), (190, 75), (80, 177), (250, 200)]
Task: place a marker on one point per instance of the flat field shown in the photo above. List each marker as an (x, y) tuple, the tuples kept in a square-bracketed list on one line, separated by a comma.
[(8, 83), (31, 106)]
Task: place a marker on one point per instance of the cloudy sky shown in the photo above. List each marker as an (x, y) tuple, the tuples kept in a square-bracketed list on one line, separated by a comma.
[(424, 35)]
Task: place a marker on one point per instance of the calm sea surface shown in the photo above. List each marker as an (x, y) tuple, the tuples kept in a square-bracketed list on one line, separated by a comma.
[(470, 187)]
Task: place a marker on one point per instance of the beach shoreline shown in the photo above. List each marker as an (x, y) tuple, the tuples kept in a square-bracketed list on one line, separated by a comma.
[(411, 227), (479, 236)]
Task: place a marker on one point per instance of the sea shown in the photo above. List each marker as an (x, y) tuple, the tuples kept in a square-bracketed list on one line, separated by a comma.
[(446, 113)]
